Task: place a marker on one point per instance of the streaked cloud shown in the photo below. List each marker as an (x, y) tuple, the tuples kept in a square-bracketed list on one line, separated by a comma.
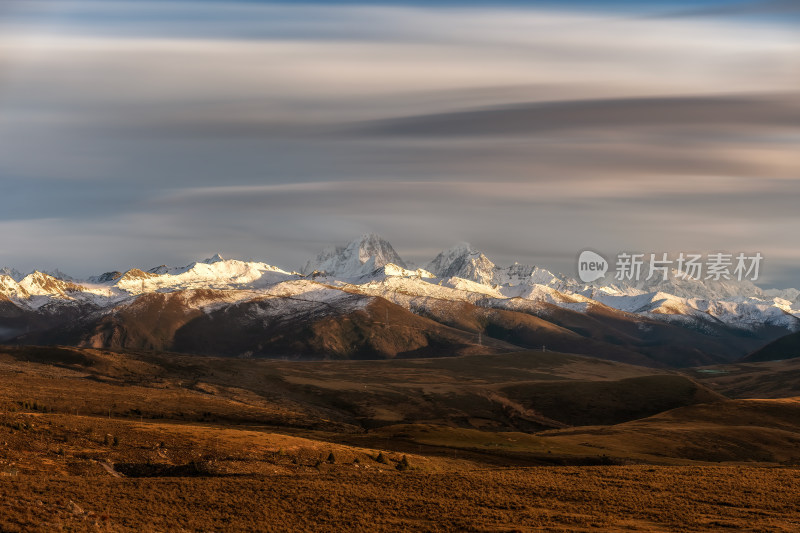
[(717, 114), (741, 8), (268, 130)]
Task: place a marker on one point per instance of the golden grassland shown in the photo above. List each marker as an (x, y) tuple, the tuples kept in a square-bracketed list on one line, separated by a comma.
[(528, 390), (767, 379), (101, 441), (641, 498)]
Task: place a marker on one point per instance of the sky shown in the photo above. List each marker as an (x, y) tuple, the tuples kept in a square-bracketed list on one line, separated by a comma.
[(140, 133)]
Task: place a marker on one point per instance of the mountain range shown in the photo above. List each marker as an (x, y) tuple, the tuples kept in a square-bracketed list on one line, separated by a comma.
[(362, 301)]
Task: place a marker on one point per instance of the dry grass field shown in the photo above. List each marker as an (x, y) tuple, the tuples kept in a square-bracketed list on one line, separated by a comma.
[(768, 379), (632, 498), (100, 441)]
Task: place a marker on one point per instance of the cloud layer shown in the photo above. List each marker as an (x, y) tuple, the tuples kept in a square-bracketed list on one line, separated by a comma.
[(155, 132)]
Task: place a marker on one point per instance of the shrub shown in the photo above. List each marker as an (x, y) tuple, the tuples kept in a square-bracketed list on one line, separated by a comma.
[(403, 464)]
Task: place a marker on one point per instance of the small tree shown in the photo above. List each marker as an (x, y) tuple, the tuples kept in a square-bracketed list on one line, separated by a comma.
[(331, 458), (382, 458)]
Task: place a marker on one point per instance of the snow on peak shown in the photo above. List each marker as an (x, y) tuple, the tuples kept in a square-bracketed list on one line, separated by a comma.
[(18, 276), (41, 284), (446, 257), (393, 270), (686, 287), (359, 257), (209, 274), (9, 288), (790, 295), (216, 258), (463, 261), (371, 245), (12, 273), (135, 274)]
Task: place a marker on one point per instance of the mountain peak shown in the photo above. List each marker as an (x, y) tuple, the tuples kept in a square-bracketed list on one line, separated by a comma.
[(463, 261), (13, 273), (371, 245), (356, 258), (216, 258), (42, 283)]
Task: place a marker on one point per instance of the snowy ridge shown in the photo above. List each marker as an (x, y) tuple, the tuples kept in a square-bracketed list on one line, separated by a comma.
[(369, 266), (683, 287), (218, 274)]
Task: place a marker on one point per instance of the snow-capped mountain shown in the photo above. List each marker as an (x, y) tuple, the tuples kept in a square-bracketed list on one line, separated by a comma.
[(18, 276), (790, 295), (12, 273), (357, 258), (518, 274), (40, 284), (461, 290), (684, 287), (463, 261)]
